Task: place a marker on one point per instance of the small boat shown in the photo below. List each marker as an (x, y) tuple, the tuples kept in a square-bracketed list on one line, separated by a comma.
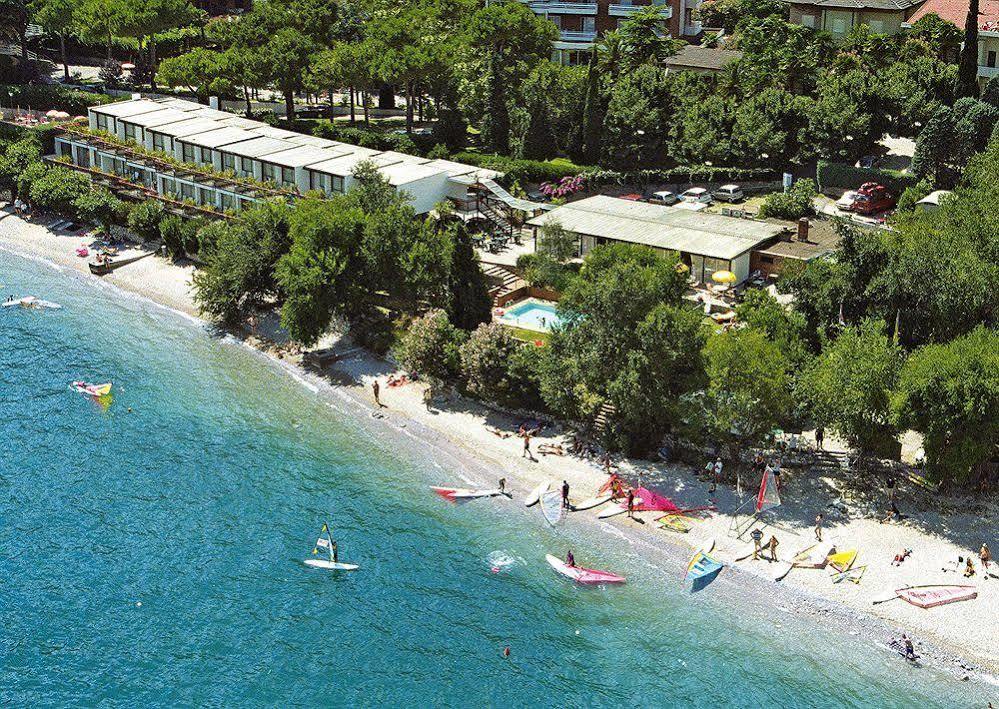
[(932, 596), (536, 493), (326, 542), (841, 561), (591, 502), (581, 575), (95, 390), (552, 508), (30, 301), (702, 566)]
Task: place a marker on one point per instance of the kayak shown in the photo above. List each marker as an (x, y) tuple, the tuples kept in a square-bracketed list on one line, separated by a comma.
[(331, 565), (701, 566), (581, 575), (95, 390), (592, 502), (932, 596), (536, 493)]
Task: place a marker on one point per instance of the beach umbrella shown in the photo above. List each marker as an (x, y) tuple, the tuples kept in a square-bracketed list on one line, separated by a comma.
[(723, 277), (128, 66), (81, 119)]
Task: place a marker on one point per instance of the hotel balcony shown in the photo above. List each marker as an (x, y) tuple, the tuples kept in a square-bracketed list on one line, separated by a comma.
[(623, 10), (577, 36), (987, 72), (564, 8)]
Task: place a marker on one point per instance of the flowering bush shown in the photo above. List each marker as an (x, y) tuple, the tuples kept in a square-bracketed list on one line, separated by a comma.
[(570, 184)]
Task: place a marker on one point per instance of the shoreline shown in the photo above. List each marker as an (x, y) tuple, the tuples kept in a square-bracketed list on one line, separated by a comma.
[(457, 430)]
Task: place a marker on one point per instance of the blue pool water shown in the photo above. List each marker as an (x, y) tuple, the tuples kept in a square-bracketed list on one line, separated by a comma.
[(532, 314), (153, 557)]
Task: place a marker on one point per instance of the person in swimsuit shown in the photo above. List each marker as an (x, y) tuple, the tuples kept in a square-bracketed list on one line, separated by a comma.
[(631, 504), (565, 494), (910, 650), (570, 560)]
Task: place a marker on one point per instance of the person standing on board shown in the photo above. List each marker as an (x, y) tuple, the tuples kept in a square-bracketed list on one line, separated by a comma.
[(910, 651), (570, 560), (818, 527), (333, 549), (565, 494)]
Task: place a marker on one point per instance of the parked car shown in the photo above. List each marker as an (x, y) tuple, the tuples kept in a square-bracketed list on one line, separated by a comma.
[(729, 193), (663, 197), (872, 198), (845, 202), (697, 194)]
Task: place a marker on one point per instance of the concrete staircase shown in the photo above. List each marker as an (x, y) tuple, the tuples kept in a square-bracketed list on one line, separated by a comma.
[(502, 280), (604, 414)]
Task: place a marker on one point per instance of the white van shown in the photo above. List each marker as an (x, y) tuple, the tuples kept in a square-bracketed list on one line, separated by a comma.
[(729, 193)]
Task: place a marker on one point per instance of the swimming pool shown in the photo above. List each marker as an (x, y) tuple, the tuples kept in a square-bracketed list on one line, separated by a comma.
[(532, 314)]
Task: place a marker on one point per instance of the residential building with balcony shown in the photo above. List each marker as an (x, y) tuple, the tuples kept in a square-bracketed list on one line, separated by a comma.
[(956, 11), (839, 17), (581, 23), (215, 160)]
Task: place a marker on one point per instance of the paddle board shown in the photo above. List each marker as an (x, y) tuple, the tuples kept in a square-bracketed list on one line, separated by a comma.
[(581, 575), (331, 565), (591, 502), (536, 493)]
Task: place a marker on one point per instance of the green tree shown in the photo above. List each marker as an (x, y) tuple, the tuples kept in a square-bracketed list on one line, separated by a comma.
[(593, 112), (288, 53), (848, 387), (638, 119), (950, 393), (487, 367), (144, 219), (15, 158), (785, 327), (557, 242), (748, 391), (967, 69), (100, 21), (98, 205), (932, 156), (797, 202), (431, 347), (643, 39), (202, 70), (991, 93), (58, 17), (58, 189), (469, 302)]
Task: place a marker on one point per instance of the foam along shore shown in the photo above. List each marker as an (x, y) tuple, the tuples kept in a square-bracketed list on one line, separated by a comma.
[(938, 530)]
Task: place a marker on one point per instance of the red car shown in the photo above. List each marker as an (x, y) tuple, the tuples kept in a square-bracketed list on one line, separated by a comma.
[(872, 198)]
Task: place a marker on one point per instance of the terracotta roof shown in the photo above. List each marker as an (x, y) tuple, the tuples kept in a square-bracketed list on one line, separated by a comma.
[(956, 11)]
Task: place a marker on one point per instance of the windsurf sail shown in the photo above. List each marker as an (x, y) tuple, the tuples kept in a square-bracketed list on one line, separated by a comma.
[(325, 541), (676, 522), (841, 561), (612, 482), (552, 507), (931, 596), (653, 502), (702, 565), (768, 496)]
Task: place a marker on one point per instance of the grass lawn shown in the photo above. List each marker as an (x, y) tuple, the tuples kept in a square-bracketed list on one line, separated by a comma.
[(528, 335)]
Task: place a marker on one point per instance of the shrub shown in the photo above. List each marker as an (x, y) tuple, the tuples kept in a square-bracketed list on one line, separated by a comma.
[(484, 362), (58, 189), (45, 97), (912, 194), (834, 174), (99, 205), (172, 233), (431, 347), (375, 331), (793, 204), (438, 152), (144, 219)]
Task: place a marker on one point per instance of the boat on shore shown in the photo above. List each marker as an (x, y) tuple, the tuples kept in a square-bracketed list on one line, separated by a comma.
[(936, 595)]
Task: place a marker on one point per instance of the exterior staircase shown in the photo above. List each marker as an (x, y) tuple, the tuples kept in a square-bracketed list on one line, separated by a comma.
[(502, 280), (497, 220), (604, 414)]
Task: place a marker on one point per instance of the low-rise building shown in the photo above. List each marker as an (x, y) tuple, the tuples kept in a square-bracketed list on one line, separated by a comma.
[(839, 17), (706, 242), (214, 159)]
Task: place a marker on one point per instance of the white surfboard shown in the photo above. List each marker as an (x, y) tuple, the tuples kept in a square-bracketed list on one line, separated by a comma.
[(591, 502), (536, 493), (618, 509), (331, 565)]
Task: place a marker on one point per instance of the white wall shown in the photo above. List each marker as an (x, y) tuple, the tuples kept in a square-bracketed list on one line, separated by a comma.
[(740, 267), (424, 194)]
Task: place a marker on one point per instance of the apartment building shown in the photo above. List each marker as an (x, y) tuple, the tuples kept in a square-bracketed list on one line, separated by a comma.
[(218, 160), (839, 17), (956, 11), (581, 23)]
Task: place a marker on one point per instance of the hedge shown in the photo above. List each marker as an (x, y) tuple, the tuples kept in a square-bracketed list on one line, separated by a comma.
[(45, 97), (834, 174), (521, 170)]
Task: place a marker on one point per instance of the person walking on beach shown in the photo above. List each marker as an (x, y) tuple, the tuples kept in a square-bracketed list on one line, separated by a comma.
[(565, 494), (375, 388), (631, 503), (820, 437), (527, 447), (718, 469), (818, 527), (986, 556), (607, 462), (502, 486), (428, 396), (773, 547), (890, 487), (757, 536), (910, 650)]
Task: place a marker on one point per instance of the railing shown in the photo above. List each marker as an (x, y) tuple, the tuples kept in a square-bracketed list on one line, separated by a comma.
[(618, 9), (565, 8), (577, 36), (988, 71)]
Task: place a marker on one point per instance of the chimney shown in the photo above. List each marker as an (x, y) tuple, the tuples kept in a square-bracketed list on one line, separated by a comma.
[(803, 229), (213, 102)]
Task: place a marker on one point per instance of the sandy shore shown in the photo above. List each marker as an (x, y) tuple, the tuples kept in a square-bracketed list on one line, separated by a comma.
[(963, 637)]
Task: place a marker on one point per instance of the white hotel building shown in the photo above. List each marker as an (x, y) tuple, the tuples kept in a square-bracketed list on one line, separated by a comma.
[(216, 142)]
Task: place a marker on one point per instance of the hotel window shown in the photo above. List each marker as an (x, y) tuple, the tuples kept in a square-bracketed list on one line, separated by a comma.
[(102, 122), (169, 186), (130, 132), (288, 176), (319, 181), (187, 153), (159, 142), (337, 184), (246, 167), (838, 26), (556, 20), (268, 172), (808, 21), (205, 196), (589, 24), (990, 59), (206, 156), (229, 162), (187, 191)]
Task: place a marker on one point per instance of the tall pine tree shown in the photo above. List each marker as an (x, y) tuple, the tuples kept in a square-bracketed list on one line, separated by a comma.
[(966, 83), (593, 114)]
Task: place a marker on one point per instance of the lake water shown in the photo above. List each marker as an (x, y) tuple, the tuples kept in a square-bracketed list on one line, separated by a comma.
[(153, 557)]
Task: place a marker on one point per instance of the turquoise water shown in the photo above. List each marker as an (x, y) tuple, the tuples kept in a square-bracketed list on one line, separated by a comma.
[(201, 503), (532, 315)]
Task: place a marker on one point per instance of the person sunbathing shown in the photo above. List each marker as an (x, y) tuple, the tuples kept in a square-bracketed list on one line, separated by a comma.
[(899, 558), (969, 569), (550, 449)]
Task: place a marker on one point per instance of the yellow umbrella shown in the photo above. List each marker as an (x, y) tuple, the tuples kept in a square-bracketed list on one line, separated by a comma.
[(723, 277)]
